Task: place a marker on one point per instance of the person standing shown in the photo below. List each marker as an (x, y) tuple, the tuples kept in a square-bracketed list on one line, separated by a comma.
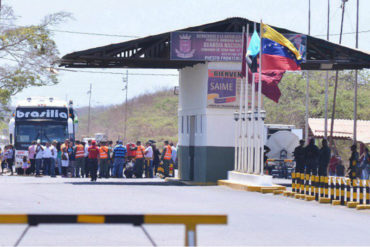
[(9, 158), (72, 161), (334, 161), (139, 160), (353, 163), (31, 157), (93, 160), (311, 156), (87, 171), (299, 157), (59, 158), (110, 161), (46, 155), (25, 165), (54, 157), (148, 155), (64, 161), (156, 159), (38, 157), (119, 154), (324, 158), (166, 158), (131, 151), (104, 160), (173, 156), (80, 159), (2, 160), (365, 164)]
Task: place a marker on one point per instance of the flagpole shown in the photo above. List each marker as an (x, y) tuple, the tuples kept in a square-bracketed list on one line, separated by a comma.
[(356, 78), (246, 155), (240, 127), (260, 127), (327, 79), (253, 135)]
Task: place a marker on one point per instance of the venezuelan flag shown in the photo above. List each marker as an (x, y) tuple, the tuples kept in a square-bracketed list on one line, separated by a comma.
[(278, 53)]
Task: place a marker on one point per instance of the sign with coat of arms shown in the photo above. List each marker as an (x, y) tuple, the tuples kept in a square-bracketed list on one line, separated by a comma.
[(218, 46), (206, 46)]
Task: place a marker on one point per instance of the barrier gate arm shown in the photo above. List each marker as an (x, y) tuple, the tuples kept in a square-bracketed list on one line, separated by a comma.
[(190, 221)]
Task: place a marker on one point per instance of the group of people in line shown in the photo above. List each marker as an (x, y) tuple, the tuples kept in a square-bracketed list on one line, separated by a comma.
[(92, 159), (313, 160)]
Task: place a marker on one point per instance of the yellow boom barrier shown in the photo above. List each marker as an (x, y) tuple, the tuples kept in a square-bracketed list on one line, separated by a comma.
[(190, 221)]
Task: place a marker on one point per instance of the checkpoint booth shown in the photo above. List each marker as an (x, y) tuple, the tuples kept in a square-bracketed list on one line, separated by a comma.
[(208, 58)]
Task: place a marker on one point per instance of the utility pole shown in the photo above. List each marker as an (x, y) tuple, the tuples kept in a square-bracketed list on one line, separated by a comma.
[(336, 77), (307, 79), (356, 78), (89, 116), (125, 80)]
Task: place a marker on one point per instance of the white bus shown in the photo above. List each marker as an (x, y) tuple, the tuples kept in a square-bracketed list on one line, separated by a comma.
[(43, 118)]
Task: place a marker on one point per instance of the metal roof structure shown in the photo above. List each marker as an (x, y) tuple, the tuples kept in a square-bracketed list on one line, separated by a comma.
[(154, 51), (343, 129)]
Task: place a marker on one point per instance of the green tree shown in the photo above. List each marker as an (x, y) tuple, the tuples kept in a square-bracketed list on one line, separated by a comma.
[(291, 106), (27, 54)]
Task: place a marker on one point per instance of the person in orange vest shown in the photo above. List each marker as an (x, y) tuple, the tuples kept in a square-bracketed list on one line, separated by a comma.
[(166, 158), (139, 160), (93, 160), (104, 160), (80, 159)]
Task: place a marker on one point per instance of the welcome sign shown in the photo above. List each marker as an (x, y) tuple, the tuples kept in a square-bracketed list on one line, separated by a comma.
[(206, 46), (218, 46)]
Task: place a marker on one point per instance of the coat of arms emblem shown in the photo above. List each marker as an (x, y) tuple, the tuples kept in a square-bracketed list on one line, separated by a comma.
[(185, 50)]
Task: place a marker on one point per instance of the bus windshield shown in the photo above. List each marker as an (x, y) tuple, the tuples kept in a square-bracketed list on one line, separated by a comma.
[(45, 131)]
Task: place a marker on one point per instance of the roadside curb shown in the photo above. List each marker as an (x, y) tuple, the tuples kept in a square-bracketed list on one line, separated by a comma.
[(192, 183), (252, 188)]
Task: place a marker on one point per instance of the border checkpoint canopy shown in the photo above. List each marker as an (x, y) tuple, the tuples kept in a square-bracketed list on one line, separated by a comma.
[(154, 51)]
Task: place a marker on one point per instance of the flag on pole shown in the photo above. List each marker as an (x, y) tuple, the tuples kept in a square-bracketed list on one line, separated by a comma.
[(254, 45), (270, 81), (278, 53), (244, 62)]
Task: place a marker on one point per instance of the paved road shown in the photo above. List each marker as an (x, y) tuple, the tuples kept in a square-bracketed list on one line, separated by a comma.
[(254, 218)]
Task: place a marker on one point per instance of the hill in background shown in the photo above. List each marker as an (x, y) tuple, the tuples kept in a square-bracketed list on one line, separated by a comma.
[(149, 116), (154, 115)]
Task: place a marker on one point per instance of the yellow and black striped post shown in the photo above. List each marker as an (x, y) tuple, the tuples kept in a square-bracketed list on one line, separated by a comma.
[(324, 190), (312, 178), (190, 221), (337, 189), (355, 188), (322, 179), (332, 188), (326, 187), (354, 202), (367, 192), (362, 186), (337, 200), (307, 184), (342, 188), (294, 182), (348, 190), (302, 183), (298, 182), (317, 185)]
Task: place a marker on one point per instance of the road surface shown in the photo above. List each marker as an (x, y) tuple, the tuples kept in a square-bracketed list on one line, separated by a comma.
[(253, 218)]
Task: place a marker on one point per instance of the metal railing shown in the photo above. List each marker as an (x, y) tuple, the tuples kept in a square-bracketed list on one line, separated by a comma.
[(190, 221)]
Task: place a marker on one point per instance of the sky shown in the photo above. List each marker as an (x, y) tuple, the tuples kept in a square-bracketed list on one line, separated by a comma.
[(146, 17)]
